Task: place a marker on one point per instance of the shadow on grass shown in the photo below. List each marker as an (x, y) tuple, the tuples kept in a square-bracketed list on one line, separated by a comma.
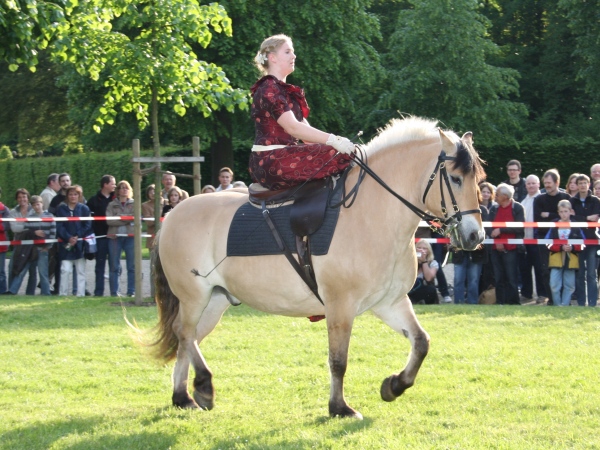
[(87, 432)]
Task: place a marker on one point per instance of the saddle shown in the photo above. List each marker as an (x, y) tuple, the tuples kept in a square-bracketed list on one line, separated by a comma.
[(309, 204)]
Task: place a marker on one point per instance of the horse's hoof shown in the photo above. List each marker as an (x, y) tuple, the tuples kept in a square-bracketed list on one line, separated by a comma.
[(206, 402), (345, 412), (387, 394), (184, 401)]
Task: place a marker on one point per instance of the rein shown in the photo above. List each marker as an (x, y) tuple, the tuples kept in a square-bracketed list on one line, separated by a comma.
[(443, 225)]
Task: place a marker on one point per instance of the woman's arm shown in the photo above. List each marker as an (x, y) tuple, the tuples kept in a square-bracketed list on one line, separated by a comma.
[(428, 271), (302, 130)]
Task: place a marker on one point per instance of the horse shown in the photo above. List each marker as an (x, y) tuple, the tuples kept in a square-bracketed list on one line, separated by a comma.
[(371, 263)]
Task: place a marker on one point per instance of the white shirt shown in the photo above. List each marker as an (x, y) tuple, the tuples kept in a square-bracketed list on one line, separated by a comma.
[(528, 206)]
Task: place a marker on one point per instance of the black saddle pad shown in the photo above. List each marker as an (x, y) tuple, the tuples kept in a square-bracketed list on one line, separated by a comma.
[(249, 234)]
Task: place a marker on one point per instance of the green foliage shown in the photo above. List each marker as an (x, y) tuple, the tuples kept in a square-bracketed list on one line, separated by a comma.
[(438, 62), (495, 377), (26, 26), (137, 49), (85, 169), (5, 153), (583, 20)]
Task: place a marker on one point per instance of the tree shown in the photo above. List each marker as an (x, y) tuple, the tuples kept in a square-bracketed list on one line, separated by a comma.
[(438, 66), (583, 20), (336, 64), (142, 56), (29, 25)]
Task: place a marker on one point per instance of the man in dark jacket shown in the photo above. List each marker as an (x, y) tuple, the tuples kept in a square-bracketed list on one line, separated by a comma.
[(587, 209), (513, 170), (97, 205), (504, 256)]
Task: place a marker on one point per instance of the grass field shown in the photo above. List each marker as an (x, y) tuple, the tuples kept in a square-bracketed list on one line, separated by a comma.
[(497, 377)]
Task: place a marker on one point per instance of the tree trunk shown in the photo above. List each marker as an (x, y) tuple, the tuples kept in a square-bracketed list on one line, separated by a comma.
[(222, 150)]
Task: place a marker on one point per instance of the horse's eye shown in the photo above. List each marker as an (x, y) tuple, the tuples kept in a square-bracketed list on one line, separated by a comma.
[(456, 180)]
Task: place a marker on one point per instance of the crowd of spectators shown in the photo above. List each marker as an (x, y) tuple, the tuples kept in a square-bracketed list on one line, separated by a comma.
[(542, 274), (105, 241)]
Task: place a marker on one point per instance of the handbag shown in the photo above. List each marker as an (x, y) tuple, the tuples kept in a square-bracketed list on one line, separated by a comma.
[(90, 247)]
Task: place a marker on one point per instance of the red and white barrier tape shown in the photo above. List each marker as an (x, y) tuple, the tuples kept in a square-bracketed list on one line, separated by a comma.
[(52, 241), (519, 241)]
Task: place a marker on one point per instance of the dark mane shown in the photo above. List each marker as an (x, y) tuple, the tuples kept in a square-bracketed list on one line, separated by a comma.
[(468, 161)]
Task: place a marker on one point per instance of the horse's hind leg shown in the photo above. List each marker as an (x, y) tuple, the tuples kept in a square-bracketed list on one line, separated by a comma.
[(188, 350), (400, 316)]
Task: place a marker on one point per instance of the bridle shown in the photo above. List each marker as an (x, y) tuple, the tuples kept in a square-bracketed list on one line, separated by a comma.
[(442, 225)]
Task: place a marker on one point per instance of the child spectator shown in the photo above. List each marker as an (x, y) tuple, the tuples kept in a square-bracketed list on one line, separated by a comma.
[(563, 261)]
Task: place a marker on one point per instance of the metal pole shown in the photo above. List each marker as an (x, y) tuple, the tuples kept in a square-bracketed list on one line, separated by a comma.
[(196, 165), (137, 214)]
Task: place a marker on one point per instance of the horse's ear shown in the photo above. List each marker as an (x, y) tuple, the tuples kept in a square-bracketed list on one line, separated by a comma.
[(447, 145), (468, 137)]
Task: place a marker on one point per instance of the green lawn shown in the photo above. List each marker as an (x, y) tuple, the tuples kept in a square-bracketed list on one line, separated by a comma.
[(502, 377)]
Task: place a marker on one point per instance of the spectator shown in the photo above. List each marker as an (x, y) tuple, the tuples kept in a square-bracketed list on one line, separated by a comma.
[(513, 169), (97, 205), (423, 291), (595, 172), (225, 179), (467, 268), (571, 186), (239, 184), (49, 192), (504, 256), (4, 214), (42, 230), (563, 257), (545, 207), (72, 234), (120, 234), (54, 269), (64, 179), (586, 208), (597, 188), (21, 253), (148, 211), (531, 258), (488, 194), (175, 197), (168, 181), (208, 189), (439, 253)]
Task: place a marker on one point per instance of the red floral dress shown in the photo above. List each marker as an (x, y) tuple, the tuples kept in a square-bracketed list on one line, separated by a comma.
[(291, 165)]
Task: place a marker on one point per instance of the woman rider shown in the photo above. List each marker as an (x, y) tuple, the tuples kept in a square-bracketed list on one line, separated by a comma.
[(279, 110)]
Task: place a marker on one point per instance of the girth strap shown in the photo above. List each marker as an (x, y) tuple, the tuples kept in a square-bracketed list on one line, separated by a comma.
[(308, 279)]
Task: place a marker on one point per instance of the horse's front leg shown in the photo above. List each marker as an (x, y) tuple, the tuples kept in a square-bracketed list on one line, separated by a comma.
[(339, 328), (400, 316)]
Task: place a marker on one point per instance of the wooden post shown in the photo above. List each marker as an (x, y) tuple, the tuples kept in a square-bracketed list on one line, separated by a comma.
[(137, 207), (196, 165)]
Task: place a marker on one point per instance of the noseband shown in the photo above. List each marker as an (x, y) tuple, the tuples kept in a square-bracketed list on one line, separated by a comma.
[(443, 225)]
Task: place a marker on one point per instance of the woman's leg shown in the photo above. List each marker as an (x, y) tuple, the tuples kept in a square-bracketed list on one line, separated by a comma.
[(66, 267), (80, 268), (130, 263), (115, 265)]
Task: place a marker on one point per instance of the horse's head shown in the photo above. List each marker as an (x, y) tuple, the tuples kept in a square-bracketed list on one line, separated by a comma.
[(454, 192)]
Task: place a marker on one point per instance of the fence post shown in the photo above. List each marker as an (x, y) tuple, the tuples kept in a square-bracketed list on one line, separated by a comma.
[(196, 165), (137, 207)]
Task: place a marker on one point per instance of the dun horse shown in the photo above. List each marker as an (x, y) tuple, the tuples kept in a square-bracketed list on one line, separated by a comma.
[(371, 263)]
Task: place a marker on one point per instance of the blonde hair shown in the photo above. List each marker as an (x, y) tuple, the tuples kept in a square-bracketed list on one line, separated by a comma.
[(564, 204), (429, 249), (127, 185), (269, 45)]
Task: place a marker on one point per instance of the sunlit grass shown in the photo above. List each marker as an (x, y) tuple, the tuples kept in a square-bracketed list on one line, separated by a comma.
[(496, 377)]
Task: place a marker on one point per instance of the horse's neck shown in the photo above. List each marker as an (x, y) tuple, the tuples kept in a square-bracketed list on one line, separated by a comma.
[(406, 170)]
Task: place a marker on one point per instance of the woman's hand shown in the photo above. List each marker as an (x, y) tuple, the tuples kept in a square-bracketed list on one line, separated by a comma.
[(39, 233), (341, 144)]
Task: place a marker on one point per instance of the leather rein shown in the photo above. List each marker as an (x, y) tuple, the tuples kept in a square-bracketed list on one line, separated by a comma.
[(443, 225)]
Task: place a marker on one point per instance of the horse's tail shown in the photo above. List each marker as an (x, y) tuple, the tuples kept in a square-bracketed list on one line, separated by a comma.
[(166, 342)]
